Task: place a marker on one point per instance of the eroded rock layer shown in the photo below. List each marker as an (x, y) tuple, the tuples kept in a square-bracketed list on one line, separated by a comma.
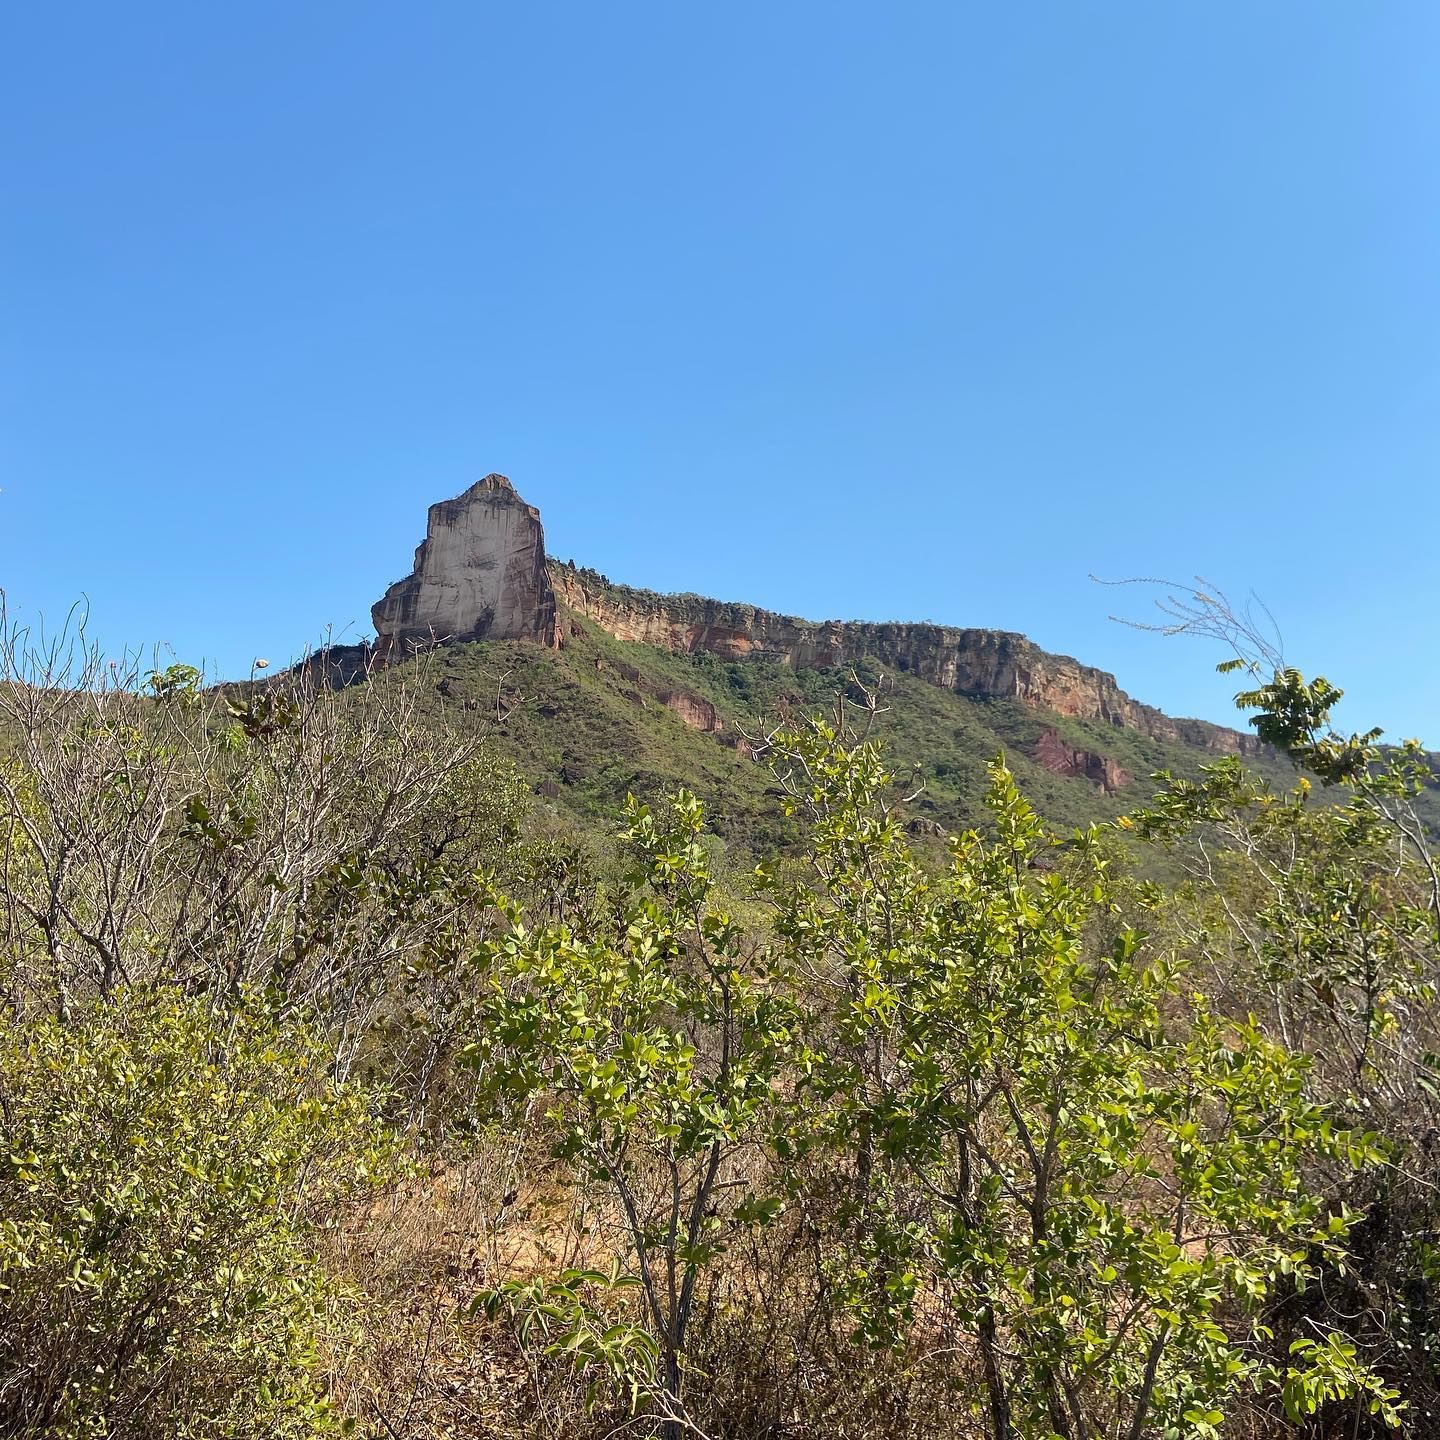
[(1062, 759)]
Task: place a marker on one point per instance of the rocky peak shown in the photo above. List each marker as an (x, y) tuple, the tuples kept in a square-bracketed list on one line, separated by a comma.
[(480, 574)]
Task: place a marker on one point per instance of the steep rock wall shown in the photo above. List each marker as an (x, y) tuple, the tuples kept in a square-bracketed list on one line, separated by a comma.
[(689, 624), (479, 574), (986, 663), (1062, 759)]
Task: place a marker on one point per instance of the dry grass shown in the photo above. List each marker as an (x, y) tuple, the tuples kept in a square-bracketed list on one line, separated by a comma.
[(770, 1359)]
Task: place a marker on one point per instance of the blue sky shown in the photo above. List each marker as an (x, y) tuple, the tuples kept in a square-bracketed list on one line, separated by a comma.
[(920, 311)]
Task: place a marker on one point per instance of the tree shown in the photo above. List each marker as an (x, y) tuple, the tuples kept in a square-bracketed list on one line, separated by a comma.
[(1036, 1132), (276, 834), (1319, 909), (657, 1049)]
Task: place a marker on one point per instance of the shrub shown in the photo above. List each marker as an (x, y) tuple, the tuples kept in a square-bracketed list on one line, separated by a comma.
[(162, 1175)]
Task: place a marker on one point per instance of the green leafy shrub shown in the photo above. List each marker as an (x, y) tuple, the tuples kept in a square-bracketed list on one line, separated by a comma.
[(655, 1049), (1033, 1139), (163, 1174)]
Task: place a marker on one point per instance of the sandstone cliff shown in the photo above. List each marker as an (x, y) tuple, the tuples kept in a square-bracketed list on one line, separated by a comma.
[(987, 663), (482, 574), (1062, 759)]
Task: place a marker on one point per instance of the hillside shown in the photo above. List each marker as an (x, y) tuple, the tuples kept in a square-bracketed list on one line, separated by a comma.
[(598, 690), (602, 717), (443, 1066)]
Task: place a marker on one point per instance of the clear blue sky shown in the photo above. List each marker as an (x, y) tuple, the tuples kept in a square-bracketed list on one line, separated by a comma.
[(919, 311)]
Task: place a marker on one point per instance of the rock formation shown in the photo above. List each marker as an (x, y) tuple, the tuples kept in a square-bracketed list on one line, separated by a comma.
[(992, 664), (687, 624), (480, 574), (1061, 759)]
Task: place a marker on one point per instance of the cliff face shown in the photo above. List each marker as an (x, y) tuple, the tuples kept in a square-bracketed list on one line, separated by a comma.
[(688, 624), (987, 663), (1062, 759), (482, 574), (479, 574)]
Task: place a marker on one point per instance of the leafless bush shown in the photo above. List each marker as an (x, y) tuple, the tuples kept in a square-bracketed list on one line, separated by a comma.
[(274, 834)]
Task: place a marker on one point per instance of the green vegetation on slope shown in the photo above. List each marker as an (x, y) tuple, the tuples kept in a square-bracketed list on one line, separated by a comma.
[(588, 725), (340, 1092), (344, 1088)]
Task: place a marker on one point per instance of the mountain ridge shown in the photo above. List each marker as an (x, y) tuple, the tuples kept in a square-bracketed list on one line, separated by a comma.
[(482, 573)]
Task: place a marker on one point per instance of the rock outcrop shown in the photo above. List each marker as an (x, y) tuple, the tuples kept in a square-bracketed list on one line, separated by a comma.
[(992, 664), (695, 710), (688, 624), (1059, 758), (480, 574)]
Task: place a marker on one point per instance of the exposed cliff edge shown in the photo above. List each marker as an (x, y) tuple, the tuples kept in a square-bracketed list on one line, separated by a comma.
[(482, 574), (992, 664), (1061, 759)]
